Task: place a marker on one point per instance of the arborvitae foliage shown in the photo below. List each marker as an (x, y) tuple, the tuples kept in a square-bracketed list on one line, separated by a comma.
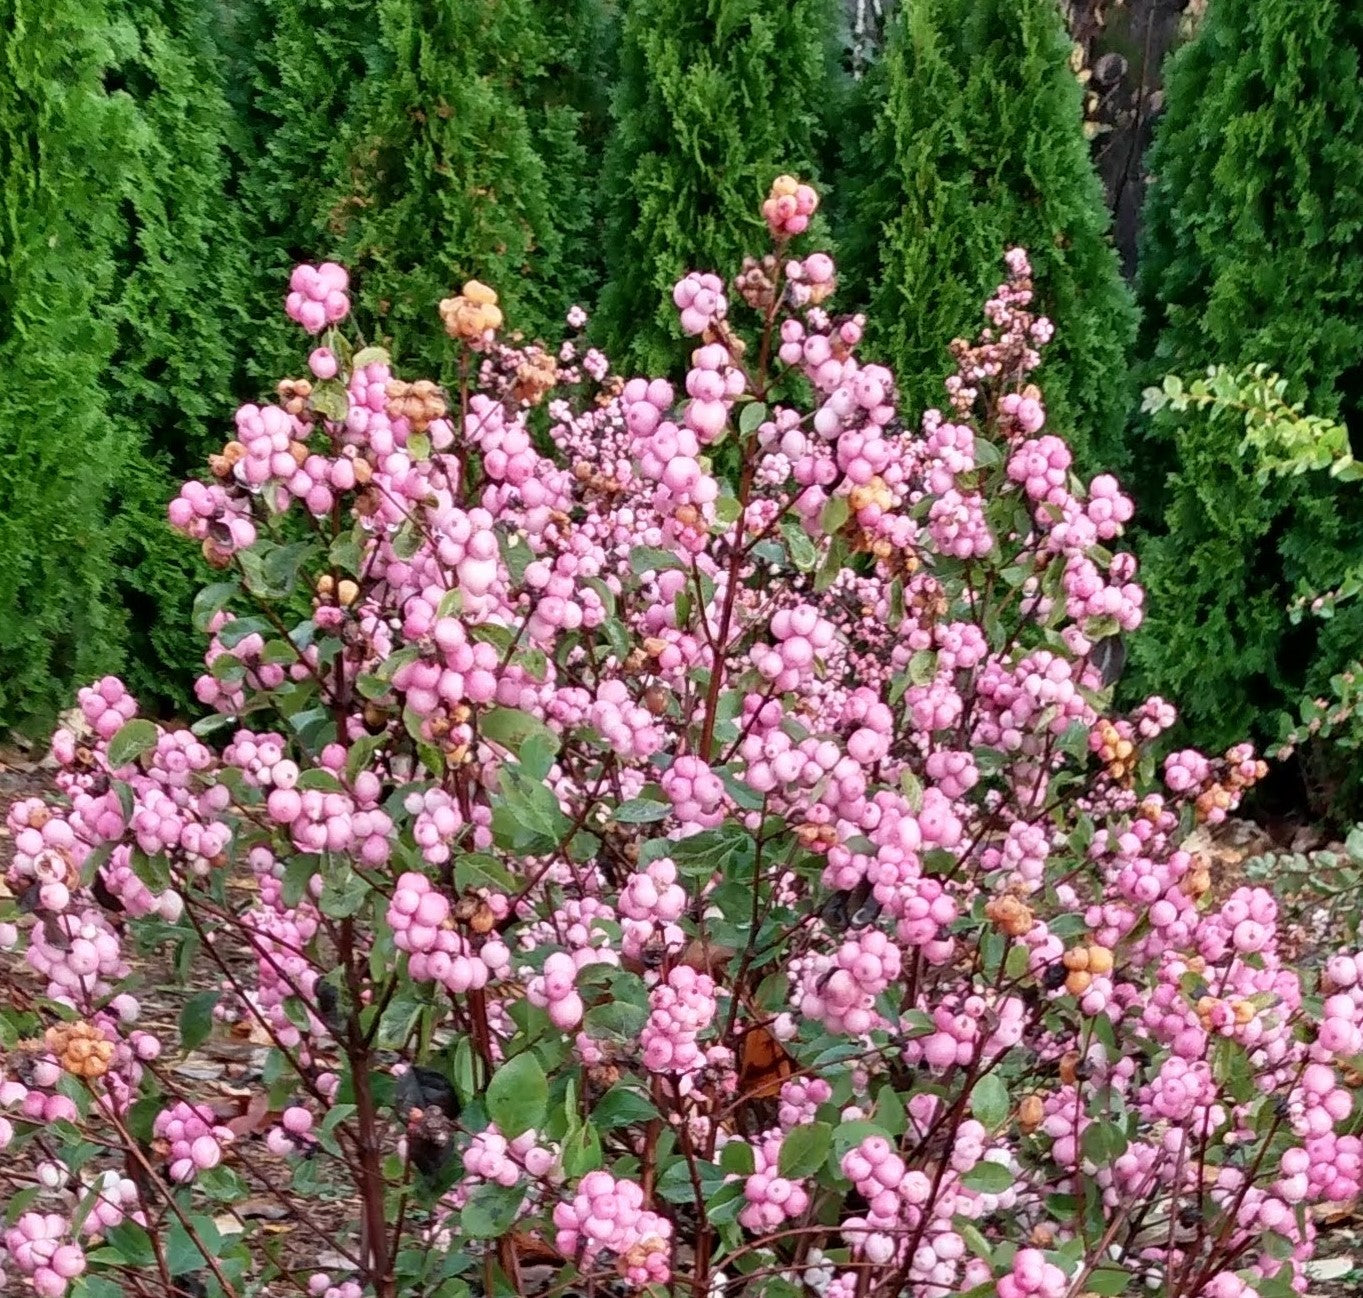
[(181, 273), (568, 108), (1253, 254), (715, 99), (307, 59), (64, 142), (441, 177), (973, 143)]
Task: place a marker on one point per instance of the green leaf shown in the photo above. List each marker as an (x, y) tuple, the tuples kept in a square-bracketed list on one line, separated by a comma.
[(890, 1112), (518, 1095), (465, 1073), (132, 1244), (836, 512), (738, 1157), (196, 1020), (361, 753), (330, 400), (538, 753), (318, 778), (769, 551), (282, 565), (986, 453), (804, 1150), (727, 511), (343, 894), (474, 870), (371, 687), (622, 1106), (98, 1286), (675, 1184), (183, 1254), (490, 1210), (614, 1019), (227, 668), (297, 876), (1108, 1281), (154, 871), (923, 667), (642, 811), (912, 788), (527, 817), (743, 794), (511, 727), (988, 1178), (648, 558), (724, 1206), (973, 1237), (833, 565), (210, 600), (753, 414), (896, 603), (132, 740), (214, 721), (370, 356), (804, 554), (582, 1151), (989, 1101), (1068, 925)]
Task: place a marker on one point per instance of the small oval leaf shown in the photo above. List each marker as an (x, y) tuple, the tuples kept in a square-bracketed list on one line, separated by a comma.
[(518, 1095), (804, 1149), (132, 740), (989, 1101)]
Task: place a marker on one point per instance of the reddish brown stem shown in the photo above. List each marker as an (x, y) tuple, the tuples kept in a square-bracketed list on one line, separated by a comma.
[(374, 1234)]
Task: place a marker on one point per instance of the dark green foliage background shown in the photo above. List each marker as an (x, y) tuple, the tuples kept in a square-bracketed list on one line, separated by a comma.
[(1253, 253), (64, 144), (457, 161), (300, 63), (968, 140), (715, 99), (164, 165), (180, 308)]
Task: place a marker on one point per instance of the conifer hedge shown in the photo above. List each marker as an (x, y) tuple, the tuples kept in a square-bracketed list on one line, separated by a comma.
[(458, 160), (177, 302), (1253, 254), (302, 62), (715, 99), (64, 140), (121, 259), (967, 139)]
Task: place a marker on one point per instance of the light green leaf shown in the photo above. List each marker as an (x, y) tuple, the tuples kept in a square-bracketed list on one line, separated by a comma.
[(804, 1150), (132, 740), (196, 1020), (642, 811), (490, 1210), (988, 1178), (754, 413), (518, 1095), (989, 1101)]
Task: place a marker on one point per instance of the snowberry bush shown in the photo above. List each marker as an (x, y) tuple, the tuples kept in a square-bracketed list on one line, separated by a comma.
[(637, 881)]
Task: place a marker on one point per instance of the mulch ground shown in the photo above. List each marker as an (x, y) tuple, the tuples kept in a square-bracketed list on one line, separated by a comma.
[(225, 1071)]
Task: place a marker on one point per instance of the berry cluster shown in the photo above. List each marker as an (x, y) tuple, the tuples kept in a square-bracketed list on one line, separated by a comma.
[(558, 786)]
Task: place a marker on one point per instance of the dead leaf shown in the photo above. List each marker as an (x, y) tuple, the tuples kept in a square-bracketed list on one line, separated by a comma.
[(254, 1119), (1329, 1268), (263, 1210)]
